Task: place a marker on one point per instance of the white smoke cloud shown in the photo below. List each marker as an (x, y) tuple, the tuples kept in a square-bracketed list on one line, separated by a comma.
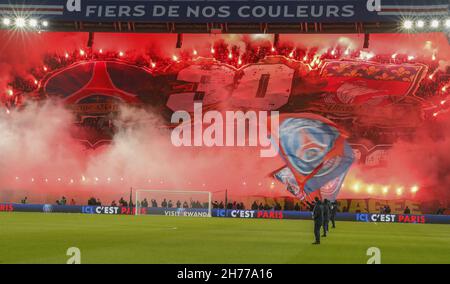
[(35, 145)]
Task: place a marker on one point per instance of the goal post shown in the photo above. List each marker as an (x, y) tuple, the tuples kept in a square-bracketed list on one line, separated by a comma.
[(173, 202)]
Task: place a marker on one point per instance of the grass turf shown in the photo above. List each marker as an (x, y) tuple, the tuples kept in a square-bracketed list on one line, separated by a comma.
[(45, 238)]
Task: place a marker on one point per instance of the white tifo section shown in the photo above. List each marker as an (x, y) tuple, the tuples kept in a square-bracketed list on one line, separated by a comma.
[(258, 86), (215, 81), (174, 200), (273, 93)]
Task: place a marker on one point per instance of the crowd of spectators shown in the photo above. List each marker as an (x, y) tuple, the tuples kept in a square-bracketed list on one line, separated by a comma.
[(94, 202), (387, 209)]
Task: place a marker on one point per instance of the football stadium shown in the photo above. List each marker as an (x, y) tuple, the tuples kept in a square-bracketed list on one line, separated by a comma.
[(224, 132)]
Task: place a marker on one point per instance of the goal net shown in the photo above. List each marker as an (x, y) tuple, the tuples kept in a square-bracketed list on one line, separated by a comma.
[(173, 203)]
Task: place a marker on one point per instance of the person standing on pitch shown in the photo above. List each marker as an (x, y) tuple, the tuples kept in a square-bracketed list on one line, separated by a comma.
[(334, 206), (326, 216), (317, 215)]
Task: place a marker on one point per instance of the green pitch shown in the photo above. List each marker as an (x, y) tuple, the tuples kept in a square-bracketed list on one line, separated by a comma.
[(45, 238)]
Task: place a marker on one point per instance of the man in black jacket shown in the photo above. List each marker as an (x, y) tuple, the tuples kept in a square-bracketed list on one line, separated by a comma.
[(334, 207), (318, 219), (326, 216), (407, 210)]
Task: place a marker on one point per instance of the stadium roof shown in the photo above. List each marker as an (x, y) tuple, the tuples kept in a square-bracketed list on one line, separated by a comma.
[(231, 16)]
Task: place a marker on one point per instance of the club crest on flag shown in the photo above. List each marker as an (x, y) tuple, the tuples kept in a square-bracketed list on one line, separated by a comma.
[(316, 154), (304, 145)]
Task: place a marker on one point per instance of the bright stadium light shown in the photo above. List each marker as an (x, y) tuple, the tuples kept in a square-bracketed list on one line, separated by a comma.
[(447, 23), (45, 23), (408, 24), (420, 24), (33, 23), (20, 22), (434, 24), (414, 189), (6, 21)]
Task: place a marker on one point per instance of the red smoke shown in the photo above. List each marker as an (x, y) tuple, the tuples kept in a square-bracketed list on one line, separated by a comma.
[(35, 143), (422, 161)]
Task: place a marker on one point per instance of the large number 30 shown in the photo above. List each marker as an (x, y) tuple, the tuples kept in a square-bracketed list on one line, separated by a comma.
[(256, 86)]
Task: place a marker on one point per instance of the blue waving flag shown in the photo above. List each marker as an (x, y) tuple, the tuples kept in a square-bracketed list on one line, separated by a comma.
[(316, 153)]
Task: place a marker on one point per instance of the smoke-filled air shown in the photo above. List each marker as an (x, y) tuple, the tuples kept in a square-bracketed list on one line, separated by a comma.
[(41, 159)]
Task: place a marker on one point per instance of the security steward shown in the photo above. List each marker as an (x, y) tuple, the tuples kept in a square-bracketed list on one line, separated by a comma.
[(317, 215), (326, 216), (334, 208)]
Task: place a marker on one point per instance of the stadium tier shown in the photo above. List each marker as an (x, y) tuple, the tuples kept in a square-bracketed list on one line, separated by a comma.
[(218, 16), (306, 112)]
